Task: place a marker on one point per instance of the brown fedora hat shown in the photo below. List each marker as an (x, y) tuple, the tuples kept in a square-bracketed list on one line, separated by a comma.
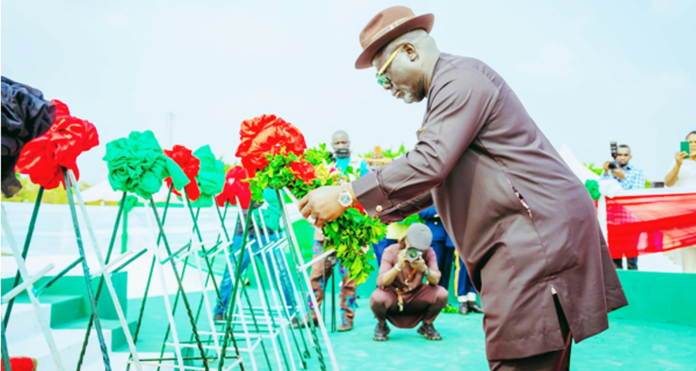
[(386, 26)]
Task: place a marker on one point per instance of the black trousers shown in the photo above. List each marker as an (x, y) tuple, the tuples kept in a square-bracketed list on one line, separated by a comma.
[(445, 260), (552, 361), (632, 263)]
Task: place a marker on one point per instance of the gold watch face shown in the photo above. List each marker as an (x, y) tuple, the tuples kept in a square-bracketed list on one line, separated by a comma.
[(345, 199)]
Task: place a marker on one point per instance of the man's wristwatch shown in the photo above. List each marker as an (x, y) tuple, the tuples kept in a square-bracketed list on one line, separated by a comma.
[(345, 198)]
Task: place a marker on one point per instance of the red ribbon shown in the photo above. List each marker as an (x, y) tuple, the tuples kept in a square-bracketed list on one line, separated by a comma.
[(235, 188), (44, 156), (190, 164), (264, 135)]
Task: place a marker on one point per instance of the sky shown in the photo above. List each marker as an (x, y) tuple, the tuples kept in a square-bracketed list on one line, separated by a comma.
[(588, 72)]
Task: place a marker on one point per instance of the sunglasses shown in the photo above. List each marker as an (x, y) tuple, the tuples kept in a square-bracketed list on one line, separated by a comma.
[(381, 79)]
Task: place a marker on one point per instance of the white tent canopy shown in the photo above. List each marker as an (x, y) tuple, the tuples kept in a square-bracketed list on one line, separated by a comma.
[(102, 192), (580, 170)]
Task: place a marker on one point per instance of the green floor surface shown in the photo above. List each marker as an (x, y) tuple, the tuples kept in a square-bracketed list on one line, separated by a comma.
[(628, 344)]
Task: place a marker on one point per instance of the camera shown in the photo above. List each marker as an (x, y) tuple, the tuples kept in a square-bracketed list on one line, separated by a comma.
[(419, 238), (614, 153), (413, 254), (341, 152)]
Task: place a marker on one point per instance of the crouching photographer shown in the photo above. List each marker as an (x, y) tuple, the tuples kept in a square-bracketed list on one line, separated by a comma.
[(402, 297)]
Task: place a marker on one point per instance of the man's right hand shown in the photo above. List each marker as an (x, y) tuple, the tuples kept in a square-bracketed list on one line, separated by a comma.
[(606, 167), (680, 156), (401, 259)]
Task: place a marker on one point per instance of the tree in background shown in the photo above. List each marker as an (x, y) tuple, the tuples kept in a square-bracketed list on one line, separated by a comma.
[(51, 196)]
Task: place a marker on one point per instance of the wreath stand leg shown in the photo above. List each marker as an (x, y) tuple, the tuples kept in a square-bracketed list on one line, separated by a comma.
[(236, 296), (300, 311), (85, 272), (236, 282), (278, 288), (25, 251), (273, 330), (151, 271), (101, 282), (180, 291), (198, 244), (106, 275), (28, 286), (299, 263)]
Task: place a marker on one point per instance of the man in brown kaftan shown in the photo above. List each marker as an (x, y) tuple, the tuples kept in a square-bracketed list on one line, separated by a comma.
[(542, 266)]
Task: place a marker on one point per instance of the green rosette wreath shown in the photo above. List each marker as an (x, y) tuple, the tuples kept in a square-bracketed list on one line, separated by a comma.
[(138, 165), (274, 155), (210, 178)]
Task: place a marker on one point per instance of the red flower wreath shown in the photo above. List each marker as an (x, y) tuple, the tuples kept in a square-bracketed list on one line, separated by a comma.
[(264, 135), (43, 157), (235, 188), (190, 164)]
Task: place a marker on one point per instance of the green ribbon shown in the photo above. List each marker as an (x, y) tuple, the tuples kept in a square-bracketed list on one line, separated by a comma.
[(211, 177), (593, 187), (138, 165)]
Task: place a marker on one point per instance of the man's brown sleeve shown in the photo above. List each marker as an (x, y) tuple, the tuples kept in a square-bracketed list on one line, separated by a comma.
[(457, 110), (404, 209)]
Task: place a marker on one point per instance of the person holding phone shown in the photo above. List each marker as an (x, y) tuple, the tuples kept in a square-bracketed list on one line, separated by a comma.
[(683, 173)]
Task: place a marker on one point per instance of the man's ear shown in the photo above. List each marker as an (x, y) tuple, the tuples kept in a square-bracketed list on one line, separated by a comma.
[(411, 52)]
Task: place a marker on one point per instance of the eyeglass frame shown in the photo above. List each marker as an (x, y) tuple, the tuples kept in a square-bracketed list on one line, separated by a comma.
[(381, 79)]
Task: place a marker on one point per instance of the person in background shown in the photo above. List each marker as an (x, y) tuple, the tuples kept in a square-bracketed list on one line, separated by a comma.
[(395, 231), (629, 177), (271, 212), (343, 157), (466, 293), (446, 256), (442, 245), (322, 270), (683, 174), (401, 296)]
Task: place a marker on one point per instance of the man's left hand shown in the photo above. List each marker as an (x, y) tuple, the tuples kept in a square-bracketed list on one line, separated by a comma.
[(322, 205), (419, 264), (618, 173)]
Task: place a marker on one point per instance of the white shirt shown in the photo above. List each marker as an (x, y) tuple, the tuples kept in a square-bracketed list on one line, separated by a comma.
[(687, 174)]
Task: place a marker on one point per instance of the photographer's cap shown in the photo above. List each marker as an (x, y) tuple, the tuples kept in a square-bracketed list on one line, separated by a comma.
[(419, 236)]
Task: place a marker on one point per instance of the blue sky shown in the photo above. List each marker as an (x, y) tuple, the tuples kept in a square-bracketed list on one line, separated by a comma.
[(588, 72)]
